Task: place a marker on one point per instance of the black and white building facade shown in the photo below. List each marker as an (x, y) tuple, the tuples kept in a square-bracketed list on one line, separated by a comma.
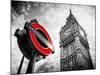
[(74, 46)]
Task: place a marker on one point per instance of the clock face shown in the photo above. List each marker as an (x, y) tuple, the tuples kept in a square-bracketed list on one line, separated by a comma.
[(82, 33), (67, 32)]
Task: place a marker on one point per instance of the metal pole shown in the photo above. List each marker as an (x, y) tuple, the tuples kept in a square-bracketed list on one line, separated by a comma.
[(19, 69), (31, 64)]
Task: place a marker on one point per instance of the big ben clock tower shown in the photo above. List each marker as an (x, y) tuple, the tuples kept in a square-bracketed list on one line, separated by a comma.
[(74, 46)]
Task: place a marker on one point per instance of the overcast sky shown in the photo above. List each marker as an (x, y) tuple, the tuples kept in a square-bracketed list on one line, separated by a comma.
[(52, 17)]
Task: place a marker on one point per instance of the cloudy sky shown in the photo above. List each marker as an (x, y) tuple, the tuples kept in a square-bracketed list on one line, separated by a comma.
[(51, 16)]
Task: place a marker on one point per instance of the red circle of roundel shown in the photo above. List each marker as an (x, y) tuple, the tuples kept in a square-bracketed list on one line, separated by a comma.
[(43, 50)]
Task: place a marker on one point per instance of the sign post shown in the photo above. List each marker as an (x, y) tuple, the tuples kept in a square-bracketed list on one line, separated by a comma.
[(33, 41)]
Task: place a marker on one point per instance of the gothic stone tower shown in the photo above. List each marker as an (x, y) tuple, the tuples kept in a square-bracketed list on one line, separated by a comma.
[(74, 46)]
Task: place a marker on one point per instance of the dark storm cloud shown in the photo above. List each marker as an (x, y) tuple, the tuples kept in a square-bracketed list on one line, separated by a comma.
[(31, 9)]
